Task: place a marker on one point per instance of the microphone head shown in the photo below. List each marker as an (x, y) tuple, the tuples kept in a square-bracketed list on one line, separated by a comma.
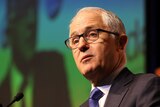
[(18, 96)]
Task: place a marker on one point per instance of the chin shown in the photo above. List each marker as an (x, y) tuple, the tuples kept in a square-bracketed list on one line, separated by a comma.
[(89, 74), (85, 72), (87, 69)]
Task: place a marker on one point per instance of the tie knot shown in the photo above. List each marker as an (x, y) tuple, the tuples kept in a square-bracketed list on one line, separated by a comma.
[(96, 94)]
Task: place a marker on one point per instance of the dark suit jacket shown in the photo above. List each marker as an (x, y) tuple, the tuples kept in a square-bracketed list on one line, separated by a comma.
[(130, 90)]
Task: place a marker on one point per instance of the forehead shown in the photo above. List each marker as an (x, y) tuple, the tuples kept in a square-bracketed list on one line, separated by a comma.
[(85, 20)]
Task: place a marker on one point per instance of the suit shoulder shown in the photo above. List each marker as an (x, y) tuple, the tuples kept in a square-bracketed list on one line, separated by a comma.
[(146, 78)]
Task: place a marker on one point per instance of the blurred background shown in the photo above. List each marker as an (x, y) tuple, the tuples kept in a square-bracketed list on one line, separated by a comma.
[(35, 61)]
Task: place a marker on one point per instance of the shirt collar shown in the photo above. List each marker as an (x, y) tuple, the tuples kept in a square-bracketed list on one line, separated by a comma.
[(104, 88)]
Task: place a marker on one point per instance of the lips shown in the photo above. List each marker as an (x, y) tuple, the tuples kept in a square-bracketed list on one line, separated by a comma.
[(86, 58)]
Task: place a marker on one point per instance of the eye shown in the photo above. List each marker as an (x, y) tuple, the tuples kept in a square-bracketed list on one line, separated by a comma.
[(74, 40), (92, 34)]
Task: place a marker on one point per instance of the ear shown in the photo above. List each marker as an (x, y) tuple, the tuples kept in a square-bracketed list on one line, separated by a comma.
[(122, 42)]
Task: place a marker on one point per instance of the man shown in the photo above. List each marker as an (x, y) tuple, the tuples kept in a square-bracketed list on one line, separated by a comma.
[(98, 42)]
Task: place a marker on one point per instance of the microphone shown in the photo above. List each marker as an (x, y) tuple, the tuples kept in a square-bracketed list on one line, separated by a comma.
[(16, 98)]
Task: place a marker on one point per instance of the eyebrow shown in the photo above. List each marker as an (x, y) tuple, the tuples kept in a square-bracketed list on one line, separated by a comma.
[(86, 29), (73, 34)]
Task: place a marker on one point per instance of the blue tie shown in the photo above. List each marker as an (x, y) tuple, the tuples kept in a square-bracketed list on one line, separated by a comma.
[(95, 95)]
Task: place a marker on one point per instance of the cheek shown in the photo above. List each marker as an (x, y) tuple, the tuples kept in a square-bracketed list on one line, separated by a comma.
[(105, 54)]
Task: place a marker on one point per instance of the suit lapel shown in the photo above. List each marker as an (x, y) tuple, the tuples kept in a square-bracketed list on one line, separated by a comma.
[(119, 88)]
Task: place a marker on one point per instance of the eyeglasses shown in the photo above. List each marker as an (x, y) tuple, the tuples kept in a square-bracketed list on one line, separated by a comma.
[(89, 36)]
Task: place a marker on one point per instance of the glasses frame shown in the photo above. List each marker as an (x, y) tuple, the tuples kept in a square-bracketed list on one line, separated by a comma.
[(82, 35)]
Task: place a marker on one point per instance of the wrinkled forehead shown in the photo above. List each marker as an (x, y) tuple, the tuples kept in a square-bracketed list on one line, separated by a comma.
[(84, 20)]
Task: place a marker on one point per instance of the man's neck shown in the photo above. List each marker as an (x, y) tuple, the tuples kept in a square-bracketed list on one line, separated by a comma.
[(109, 79)]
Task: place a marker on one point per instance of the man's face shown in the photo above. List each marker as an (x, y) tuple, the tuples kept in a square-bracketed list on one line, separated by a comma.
[(95, 60)]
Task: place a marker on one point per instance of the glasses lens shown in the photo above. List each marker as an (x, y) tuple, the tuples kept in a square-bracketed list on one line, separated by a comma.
[(73, 42), (89, 36)]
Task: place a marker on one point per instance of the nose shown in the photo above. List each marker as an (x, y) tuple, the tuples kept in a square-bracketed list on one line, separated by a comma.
[(83, 45)]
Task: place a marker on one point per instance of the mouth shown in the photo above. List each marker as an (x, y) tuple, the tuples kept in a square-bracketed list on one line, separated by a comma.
[(86, 58)]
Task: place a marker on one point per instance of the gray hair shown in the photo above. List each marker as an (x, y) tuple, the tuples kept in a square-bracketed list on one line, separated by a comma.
[(111, 20)]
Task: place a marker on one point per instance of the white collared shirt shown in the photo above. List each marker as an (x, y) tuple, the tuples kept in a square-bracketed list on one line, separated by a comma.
[(105, 89)]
